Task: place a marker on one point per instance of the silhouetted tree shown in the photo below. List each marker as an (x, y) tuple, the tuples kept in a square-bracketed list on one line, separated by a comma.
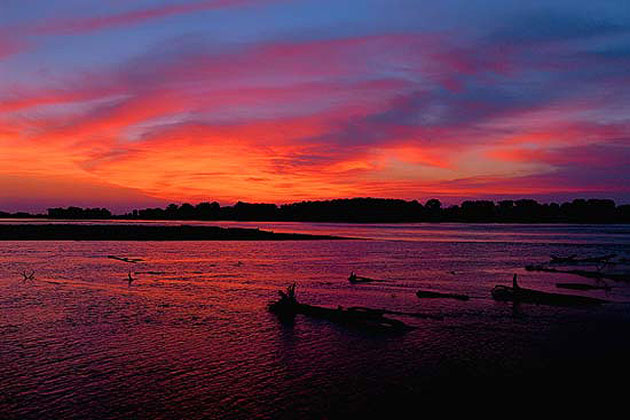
[(433, 210), (207, 211), (478, 211), (78, 213)]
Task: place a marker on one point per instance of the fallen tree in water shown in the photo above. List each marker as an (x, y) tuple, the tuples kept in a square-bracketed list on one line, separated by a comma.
[(287, 307)]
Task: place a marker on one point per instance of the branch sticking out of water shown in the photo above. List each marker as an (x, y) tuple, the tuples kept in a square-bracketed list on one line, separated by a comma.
[(28, 277)]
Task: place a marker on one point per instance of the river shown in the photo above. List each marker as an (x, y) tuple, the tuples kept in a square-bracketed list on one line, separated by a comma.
[(191, 336)]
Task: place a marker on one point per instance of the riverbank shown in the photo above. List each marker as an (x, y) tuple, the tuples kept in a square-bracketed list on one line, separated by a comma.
[(132, 232)]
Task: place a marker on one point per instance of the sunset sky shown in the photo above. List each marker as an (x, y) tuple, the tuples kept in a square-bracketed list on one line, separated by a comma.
[(139, 103)]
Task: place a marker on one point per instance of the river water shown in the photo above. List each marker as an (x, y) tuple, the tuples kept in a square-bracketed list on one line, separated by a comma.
[(191, 336)]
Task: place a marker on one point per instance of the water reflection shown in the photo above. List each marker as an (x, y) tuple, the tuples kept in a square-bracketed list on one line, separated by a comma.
[(191, 335)]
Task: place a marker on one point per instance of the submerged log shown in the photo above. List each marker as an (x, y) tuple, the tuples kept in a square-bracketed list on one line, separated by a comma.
[(583, 273), (521, 294), (354, 279), (439, 295), (125, 259), (582, 286)]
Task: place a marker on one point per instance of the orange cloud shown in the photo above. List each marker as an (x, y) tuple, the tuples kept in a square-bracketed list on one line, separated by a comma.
[(388, 115)]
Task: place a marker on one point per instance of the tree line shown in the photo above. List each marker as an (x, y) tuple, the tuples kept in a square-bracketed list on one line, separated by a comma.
[(371, 210), (63, 213)]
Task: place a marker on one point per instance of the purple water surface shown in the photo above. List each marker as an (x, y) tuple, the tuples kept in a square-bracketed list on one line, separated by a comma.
[(191, 337)]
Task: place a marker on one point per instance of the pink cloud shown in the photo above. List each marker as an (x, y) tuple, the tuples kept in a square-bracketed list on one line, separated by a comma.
[(10, 46), (89, 24)]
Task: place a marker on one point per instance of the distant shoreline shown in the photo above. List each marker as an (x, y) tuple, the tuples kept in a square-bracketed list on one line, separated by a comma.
[(365, 210), (116, 232)]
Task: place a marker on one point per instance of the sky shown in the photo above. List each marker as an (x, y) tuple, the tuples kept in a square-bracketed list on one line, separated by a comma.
[(128, 104)]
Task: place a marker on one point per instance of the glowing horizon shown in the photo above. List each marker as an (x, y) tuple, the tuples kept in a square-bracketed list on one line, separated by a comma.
[(132, 105)]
